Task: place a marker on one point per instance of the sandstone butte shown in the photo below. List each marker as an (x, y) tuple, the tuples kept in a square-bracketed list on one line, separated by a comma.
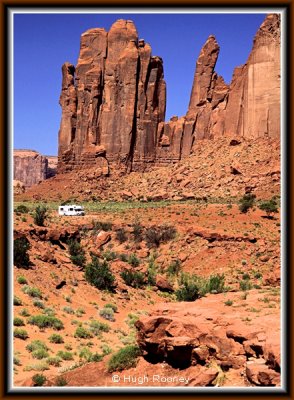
[(113, 101)]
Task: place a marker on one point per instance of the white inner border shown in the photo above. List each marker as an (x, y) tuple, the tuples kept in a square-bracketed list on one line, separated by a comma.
[(162, 10)]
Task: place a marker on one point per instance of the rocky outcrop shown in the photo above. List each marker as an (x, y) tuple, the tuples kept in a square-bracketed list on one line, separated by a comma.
[(198, 333), (113, 102), (30, 168)]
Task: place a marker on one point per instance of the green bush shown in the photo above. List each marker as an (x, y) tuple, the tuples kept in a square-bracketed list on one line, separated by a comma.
[(246, 202), (65, 355), (77, 253), (155, 235), (133, 260), (189, 289), (32, 291), (36, 345), (20, 333), (22, 280), (17, 301), (55, 338), (88, 356), (40, 215), (151, 273), (113, 306), (229, 302), (125, 358), (137, 231), (109, 255), (22, 209), (39, 354), (39, 304), (21, 257), (46, 321), (82, 333), (216, 284), (24, 313), (134, 279), (18, 321), (99, 275), (245, 285), (68, 310), (96, 327), (121, 235), (60, 381), (174, 268), (107, 313), (39, 379), (270, 207)]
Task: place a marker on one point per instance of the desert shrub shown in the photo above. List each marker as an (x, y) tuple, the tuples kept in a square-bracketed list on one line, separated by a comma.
[(22, 280), (151, 273), (39, 354), (18, 321), (216, 283), (17, 301), (32, 291), (36, 345), (123, 257), (125, 358), (106, 349), (55, 338), (137, 231), (96, 327), (55, 361), (77, 253), (245, 285), (107, 313), (38, 379), (109, 255), (174, 268), (16, 361), (24, 313), (88, 356), (133, 260), (41, 366), (60, 381), (229, 302), (132, 319), (155, 235), (82, 333), (20, 333), (22, 209), (246, 202), (121, 235), (113, 306), (46, 321), (49, 311), (65, 355), (189, 289), (99, 275), (21, 257), (270, 207), (40, 215), (102, 226), (39, 304), (134, 279), (68, 310)]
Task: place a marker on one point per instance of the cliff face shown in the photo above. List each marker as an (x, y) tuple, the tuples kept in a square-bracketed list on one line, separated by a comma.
[(113, 102), (30, 168)]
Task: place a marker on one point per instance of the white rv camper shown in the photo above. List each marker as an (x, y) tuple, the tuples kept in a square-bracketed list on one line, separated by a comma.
[(71, 210)]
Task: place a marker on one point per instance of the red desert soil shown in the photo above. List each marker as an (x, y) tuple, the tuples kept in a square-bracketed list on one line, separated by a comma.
[(210, 239)]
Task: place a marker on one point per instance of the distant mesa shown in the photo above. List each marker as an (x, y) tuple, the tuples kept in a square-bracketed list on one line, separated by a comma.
[(30, 168), (115, 99)]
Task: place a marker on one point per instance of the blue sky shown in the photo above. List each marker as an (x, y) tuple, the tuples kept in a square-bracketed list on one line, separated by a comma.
[(43, 42)]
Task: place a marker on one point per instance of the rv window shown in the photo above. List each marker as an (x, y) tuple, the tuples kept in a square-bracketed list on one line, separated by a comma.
[(70, 209), (61, 208)]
